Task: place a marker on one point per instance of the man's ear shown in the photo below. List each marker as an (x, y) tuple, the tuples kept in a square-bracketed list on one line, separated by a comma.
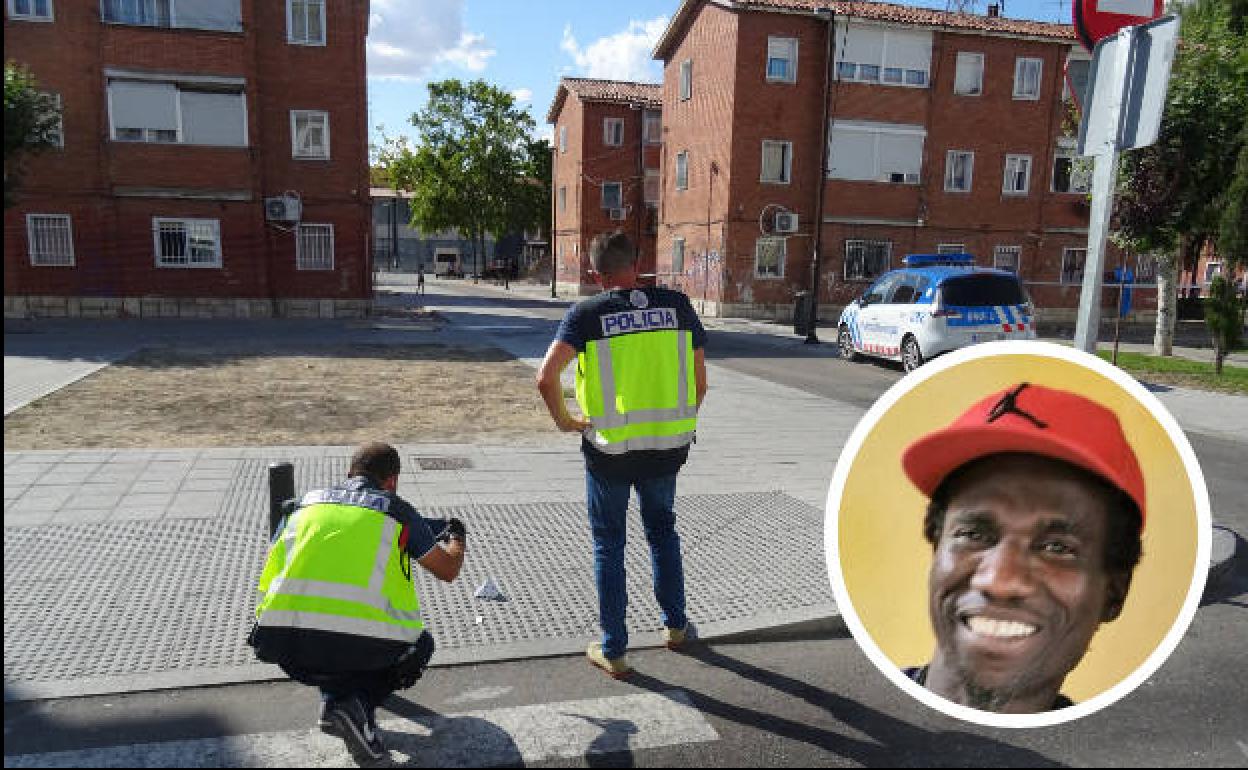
[(391, 484), (1115, 595)]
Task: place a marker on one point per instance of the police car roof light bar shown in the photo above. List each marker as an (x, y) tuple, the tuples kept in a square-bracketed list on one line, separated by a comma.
[(936, 260)]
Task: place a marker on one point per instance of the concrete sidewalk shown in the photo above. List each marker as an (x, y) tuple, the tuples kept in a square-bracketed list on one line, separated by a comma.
[(148, 558)]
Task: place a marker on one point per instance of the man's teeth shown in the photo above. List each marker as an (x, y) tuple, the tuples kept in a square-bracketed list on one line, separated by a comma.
[(1001, 629)]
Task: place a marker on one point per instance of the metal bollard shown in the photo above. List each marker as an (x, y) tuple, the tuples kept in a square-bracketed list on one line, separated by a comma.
[(281, 491)]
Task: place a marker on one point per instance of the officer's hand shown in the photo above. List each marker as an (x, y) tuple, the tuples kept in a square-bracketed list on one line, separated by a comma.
[(574, 425), (454, 530)]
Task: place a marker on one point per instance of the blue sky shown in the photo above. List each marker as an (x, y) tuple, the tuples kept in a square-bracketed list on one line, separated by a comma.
[(525, 47)]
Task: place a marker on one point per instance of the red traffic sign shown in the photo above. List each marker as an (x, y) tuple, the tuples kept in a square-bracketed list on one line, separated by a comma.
[(1097, 19)]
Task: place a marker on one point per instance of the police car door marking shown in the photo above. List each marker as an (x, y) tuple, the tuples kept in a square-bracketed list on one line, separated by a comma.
[(638, 321)]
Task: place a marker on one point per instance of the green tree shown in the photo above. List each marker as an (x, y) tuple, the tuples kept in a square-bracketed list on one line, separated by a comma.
[(31, 123), (1224, 313), (472, 164), (1172, 194), (1233, 228)]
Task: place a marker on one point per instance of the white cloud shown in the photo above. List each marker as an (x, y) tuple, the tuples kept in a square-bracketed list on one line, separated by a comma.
[(523, 95), (406, 39), (622, 56)]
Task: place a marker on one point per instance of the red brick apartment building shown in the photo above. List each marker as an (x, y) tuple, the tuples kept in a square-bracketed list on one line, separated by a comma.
[(213, 160), (943, 131), (606, 171)]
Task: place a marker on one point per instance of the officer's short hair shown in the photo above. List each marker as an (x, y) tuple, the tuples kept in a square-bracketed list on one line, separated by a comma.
[(612, 252), (376, 460)]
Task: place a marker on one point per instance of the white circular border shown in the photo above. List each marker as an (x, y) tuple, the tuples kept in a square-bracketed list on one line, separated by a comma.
[(1204, 524)]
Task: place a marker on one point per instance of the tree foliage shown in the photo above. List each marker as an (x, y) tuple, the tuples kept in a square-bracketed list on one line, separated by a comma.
[(1233, 228), (31, 122), (475, 166), (1172, 195), (1224, 317)]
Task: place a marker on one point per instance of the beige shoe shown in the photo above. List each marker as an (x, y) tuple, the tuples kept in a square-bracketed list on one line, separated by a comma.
[(617, 668), (675, 638)]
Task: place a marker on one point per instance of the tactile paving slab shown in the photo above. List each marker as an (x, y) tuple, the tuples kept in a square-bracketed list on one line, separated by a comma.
[(112, 607)]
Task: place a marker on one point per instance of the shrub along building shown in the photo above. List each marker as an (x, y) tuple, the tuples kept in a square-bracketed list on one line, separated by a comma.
[(205, 168), (942, 132), (606, 171)]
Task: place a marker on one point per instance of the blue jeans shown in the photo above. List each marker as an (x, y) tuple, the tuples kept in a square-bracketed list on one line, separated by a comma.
[(608, 509)]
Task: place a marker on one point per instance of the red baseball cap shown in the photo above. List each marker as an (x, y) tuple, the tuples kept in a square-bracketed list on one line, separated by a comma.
[(1035, 420)]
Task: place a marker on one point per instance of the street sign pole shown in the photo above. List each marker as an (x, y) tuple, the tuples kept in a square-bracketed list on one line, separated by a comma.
[(1104, 177)]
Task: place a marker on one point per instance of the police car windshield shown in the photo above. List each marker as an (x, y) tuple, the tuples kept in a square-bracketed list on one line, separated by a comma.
[(982, 290)]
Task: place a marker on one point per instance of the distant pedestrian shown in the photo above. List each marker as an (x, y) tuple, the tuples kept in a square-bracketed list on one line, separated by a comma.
[(640, 378), (339, 610), (420, 280)]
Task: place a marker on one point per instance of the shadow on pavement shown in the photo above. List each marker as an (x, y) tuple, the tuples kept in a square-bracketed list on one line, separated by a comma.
[(452, 741), (29, 730), (893, 742)]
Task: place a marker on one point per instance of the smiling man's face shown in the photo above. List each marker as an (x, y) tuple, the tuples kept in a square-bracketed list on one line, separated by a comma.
[(1018, 583)]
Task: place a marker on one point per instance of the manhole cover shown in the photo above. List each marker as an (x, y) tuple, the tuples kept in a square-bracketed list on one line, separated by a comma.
[(443, 463)]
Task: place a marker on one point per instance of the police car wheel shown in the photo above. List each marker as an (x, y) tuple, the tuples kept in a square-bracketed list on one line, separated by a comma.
[(845, 341), (911, 356)]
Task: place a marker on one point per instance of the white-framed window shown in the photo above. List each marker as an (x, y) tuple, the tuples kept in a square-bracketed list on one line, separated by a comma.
[(769, 256), (686, 80), (959, 169), (875, 152), (1007, 258), (866, 260), (777, 162), (1017, 179), (877, 54), (50, 240), (1146, 266), (57, 135), (652, 127), (678, 255), (563, 140), (187, 242), (652, 185), (30, 10), (1027, 77), (612, 195), (314, 247), (969, 78), (1212, 270), (613, 132), (309, 134), (682, 170), (1070, 175), (305, 22), (563, 198), (166, 112), (951, 248), (1073, 261), (782, 60)]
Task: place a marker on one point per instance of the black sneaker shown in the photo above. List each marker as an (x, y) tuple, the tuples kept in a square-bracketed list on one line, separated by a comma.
[(322, 720), (348, 719)]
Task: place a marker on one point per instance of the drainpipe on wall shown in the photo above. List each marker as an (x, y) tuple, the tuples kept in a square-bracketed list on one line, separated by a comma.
[(554, 211), (812, 337)]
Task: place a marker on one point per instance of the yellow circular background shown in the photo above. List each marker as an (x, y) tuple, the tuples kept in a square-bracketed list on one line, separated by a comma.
[(885, 560)]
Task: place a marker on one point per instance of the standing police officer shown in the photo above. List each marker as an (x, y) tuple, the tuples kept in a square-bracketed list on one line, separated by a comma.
[(339, 610), (640, 378)]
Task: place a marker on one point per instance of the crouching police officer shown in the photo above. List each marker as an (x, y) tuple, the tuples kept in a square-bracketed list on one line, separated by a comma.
[(339, 609)]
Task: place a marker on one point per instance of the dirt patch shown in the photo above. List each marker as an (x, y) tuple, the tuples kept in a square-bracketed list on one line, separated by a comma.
[(324, 396)]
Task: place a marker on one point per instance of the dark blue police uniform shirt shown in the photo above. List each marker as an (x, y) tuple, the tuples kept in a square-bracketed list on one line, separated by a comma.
[(585, 321)]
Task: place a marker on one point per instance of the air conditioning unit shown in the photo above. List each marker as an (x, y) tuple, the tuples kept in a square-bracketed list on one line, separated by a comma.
[(284, 208), (619, 215), (786, 222)]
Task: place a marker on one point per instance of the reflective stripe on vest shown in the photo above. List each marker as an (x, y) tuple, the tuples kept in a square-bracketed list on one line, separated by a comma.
[(340, 606), (654, 407)]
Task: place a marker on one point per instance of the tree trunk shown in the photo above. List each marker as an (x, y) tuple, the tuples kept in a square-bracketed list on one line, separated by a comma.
[(1167, 304)]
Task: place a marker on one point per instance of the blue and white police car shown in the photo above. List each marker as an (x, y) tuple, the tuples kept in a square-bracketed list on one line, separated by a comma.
[(936, 303)]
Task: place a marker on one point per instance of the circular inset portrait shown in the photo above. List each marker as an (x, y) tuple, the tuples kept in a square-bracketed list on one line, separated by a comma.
[(1017, 534)]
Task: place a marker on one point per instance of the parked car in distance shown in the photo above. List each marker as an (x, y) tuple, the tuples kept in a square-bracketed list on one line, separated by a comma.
[(934, 304)]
